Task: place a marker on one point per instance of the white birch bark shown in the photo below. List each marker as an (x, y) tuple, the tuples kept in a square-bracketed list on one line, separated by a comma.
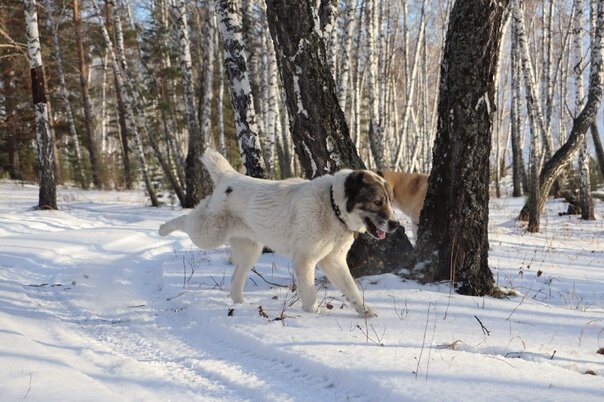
[(376, 133), (205, 113), (585, 199), (64, 95), (121, 87), (344, 76), (534, 106), (409, 99), (46, 176), (220, 105), (235, 60), (328, 12), (103, 122)]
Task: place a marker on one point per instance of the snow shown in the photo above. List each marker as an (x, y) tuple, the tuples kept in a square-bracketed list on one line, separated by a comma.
[(95, 306)]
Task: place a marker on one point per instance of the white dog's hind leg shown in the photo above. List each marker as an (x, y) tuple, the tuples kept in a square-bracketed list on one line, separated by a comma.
[(304, 269), (244, 254), (336, 269)]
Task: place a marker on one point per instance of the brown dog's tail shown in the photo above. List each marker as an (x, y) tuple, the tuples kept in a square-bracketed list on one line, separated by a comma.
[(217, 165)]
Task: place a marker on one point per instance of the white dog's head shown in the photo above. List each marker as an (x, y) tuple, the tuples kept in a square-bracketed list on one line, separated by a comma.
[(368, 203)]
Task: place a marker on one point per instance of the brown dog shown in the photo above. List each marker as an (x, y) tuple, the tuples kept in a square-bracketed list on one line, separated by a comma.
[(409, 192)]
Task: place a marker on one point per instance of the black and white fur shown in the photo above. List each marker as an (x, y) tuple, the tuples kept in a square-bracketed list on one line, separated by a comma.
[(294, 217)]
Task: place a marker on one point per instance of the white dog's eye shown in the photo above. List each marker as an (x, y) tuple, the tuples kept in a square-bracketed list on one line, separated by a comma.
[(379, 203)]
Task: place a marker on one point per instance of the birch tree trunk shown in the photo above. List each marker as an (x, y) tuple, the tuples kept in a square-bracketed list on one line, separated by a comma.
[(515, 121), (90, 142), (47, 196), (534, 106), (235, 60), (344, 76), (328, 10), (220, 106), (585, 200), (197, 179), (132, 86), (583, 121), (64, 95), (595, 134), (452, 239), (376, 130), (409, 98), (130, 120)]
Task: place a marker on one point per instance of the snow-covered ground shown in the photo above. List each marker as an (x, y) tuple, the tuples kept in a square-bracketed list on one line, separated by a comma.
[(95, 306)]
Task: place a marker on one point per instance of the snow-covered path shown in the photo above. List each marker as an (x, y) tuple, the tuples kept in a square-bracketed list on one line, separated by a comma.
[(94, 305)]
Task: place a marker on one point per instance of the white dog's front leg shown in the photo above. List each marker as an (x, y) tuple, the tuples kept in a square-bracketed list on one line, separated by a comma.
[(336, 269), (244, 253), (305, 280)]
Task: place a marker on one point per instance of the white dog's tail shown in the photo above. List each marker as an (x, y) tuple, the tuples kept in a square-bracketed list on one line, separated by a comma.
[(172, 225), (217, 165)]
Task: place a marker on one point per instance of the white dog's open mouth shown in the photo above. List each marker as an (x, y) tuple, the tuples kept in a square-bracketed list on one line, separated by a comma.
[(374, 230)]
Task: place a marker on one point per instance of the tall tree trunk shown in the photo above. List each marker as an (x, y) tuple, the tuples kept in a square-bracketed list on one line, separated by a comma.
[(515, 122), (376, 129), (595, 135), (409, 98), (220, 103), (583, 121), (90, 142), (242, 99), (453, 231), (78, 166), (198, 182), (585, 200), (317, 123), (130, 119), (344, 76), (47, 197), (132, 86), (318, 127)]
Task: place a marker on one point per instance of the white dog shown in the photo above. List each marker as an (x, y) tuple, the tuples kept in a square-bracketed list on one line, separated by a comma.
[(311, 221)]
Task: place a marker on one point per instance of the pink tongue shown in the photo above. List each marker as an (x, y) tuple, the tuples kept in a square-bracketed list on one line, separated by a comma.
[(381, 234)]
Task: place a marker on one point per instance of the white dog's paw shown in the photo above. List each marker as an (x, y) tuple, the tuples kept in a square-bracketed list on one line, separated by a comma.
[(313, 308), (365, 311)]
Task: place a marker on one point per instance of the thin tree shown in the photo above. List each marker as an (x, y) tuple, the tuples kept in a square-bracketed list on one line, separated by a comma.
[(197, 179), (47, 197), (130, 119), (83, 69), (453, 231), (585, 200), (64, 95)]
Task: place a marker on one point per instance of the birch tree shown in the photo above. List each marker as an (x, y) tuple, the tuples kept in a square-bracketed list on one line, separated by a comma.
[(47, 197), (131, 82), (64, 95), (518, 172), (83, 70), (242, 100), (376, 130), (585, 199), (197, 179), (130, 119)]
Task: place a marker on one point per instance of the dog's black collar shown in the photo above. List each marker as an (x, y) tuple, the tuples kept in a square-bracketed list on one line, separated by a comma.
[(335, 208)]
